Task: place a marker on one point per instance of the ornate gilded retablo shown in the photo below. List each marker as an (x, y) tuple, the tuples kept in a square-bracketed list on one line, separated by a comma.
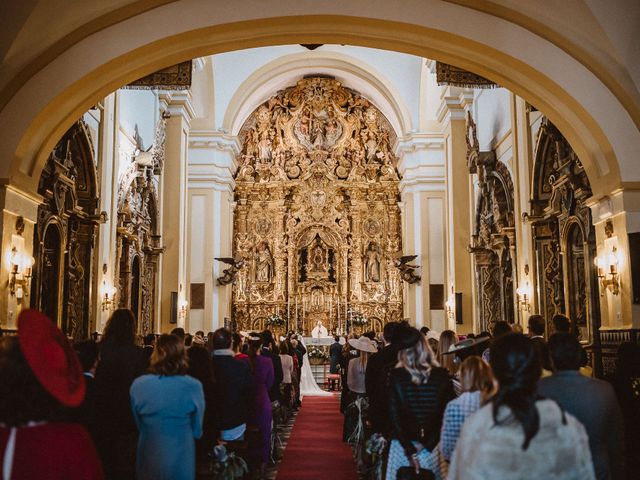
[(317, 218)]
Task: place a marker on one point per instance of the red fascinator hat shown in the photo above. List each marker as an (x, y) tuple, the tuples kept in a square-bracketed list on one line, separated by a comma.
[(51, 358)]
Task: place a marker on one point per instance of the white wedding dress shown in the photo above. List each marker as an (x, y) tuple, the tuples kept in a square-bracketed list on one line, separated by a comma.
[(308, 385)]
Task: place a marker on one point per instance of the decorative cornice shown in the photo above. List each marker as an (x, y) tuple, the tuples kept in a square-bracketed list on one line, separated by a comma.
[(178, 104), (454, 102)]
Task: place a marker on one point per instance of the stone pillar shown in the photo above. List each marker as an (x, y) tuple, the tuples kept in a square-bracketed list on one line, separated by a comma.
[(615, 217), (108, 165), (173, 199), (18, 217), (452, 116), (522, 173), (210, 189), (422, 167)]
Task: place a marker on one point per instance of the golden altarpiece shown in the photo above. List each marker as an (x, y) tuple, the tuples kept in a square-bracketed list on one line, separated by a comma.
[(317, 220)]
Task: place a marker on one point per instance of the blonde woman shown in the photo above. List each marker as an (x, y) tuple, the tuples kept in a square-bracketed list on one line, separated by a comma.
[(478, 385), (420, 391), (447, 338)]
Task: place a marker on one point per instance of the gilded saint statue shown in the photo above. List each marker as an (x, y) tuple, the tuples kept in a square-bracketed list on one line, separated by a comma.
[(264, 264), (372, 263)]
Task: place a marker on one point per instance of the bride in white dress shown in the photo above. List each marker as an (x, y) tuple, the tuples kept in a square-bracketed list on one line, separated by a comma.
[(308, 385)]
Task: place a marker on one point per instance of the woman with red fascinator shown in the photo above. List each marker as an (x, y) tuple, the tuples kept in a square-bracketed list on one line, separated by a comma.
[(40, 375)]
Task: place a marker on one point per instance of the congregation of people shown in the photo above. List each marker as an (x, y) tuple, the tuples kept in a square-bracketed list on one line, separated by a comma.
[(502, 405), (148, 408), (499, 405)]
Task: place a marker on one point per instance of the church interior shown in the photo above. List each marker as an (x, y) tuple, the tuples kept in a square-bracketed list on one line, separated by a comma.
[(449, 165), (286, 185)]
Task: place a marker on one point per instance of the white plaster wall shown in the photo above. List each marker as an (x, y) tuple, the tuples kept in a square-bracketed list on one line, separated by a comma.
[(231, 69), (491, 111)]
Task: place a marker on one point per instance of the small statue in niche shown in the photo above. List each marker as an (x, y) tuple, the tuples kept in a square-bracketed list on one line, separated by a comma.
[(372, 263), (264, 264)]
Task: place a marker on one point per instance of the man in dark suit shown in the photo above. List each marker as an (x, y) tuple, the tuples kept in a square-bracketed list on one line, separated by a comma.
[(335, 352), (535, 326), (376, 380), (233, 387), (593, 402)]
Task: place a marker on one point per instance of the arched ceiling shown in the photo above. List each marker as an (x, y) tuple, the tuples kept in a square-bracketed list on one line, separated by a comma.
[(287, 70), (596, 107)]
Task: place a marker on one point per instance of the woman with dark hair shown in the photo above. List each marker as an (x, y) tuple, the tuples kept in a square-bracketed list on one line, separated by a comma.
[(201, 368), (121, 362), (517, 434), (168, 407), (420, 391), (261, 413), (40, 376)]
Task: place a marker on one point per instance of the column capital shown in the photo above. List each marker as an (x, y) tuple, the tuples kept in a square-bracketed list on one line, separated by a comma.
[(454, 103), (178, 104), (213, 160), (20, 203), (421, 161)]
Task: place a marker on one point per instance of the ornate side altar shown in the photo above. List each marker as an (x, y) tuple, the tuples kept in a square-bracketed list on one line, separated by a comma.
[(317, 220)]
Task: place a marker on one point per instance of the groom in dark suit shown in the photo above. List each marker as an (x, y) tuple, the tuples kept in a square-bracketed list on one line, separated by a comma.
[(335, 352)]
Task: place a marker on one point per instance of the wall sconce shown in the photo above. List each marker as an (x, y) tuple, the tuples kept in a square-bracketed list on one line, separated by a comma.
[(524, 297), (608, 271), (108, 297), (451, 307), (182, 310), (19, 273)]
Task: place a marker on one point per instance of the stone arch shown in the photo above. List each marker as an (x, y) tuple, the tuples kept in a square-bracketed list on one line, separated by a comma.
[(138, 240), (68, 185), (581, 115), (286, 70), (567, 275)]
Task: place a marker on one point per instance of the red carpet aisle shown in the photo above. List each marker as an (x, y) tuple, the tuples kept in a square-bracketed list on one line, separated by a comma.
[(315, 449)]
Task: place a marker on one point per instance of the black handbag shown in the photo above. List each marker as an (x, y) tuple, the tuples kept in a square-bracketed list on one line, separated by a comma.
[(409, 473)]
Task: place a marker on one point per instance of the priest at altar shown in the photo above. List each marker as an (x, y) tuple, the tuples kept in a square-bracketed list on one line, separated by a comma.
[(319, 331)]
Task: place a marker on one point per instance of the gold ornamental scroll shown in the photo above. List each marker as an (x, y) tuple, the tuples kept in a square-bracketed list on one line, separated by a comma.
[(175, 77), (457, 77)]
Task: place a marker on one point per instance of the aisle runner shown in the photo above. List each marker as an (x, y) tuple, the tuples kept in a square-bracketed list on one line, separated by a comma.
[(315, 449)]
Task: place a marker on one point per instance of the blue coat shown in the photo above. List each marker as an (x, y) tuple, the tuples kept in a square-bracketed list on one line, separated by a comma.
[(168, 411)]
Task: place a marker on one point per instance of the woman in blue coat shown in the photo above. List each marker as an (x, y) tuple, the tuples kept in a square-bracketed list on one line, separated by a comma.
[(168, 407)]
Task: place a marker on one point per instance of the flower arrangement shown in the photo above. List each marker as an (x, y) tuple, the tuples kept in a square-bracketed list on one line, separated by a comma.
[(317, 353), (359, 320), (274, 320)]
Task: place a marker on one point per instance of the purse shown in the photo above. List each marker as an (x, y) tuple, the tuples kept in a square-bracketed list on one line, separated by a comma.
[(409, 473)]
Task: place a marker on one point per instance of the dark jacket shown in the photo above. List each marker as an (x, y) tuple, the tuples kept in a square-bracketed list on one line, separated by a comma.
[(593, 402), (118, 367), (300, 352), (233, 390), (376, 382), (335, 353), (417, 410)]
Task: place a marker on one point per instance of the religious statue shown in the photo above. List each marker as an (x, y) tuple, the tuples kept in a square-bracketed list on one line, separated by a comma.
[(319, 331), (264, 264), (372, 263), (229, 274)]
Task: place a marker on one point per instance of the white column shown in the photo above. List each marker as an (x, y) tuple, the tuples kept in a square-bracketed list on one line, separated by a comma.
[(422, 189), (210, 188), (454, 103), (174, 206)]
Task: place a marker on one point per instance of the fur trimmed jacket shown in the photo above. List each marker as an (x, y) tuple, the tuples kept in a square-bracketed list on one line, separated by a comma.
[(559, 451)]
